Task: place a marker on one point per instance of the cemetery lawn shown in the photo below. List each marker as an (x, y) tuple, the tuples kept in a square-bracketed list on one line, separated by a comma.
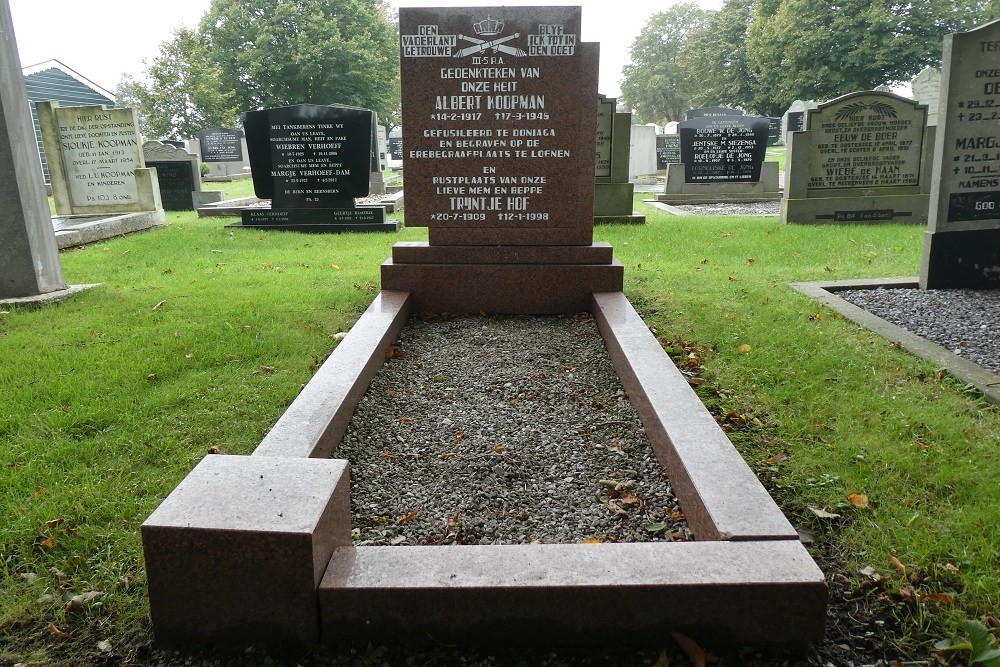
[(201, 336)]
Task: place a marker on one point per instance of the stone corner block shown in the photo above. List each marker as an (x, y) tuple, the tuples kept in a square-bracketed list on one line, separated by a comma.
[(235, 553)]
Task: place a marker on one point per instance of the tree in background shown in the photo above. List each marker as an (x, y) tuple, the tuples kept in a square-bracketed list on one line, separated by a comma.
[(654, 84), (252, 54), (762, 55), (182, 95), (714, 59)]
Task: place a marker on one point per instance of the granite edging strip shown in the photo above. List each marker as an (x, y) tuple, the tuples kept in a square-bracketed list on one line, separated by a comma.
[(825, 292)]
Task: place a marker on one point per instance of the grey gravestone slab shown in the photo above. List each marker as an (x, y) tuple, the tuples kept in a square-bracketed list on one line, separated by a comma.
[(95, 160), (709, 112), (962, 244), (613, 192), (863, 159), (723, 149), (28, 254), (927, 90), (312, 161)]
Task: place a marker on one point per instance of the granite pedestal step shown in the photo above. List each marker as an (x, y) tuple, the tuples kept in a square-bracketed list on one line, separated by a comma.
[(545, 594), (388, 226), (629, 219)]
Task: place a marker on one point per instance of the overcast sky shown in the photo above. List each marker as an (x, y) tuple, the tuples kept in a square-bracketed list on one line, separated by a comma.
[(105, 39)]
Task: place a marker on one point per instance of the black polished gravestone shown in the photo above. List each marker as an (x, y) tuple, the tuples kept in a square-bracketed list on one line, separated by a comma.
[(220, 144), (773, 131), (668, 150), (177, 182), (711, 112), (723, 149), (312, 161)]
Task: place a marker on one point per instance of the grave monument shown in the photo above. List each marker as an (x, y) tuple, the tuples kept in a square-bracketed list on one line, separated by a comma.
[(29, 258), (224, 150), (668, 150), (794, 119), (865, 158), (962, 243), (722, 160), (178, 177), (926, 87), (613, 198), (500, 162), (711, 112), (311, 162), (100, 183)]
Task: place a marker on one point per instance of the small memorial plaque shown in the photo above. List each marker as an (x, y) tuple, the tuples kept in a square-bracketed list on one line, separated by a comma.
[(796, 121), (220, 144), (720, 149)]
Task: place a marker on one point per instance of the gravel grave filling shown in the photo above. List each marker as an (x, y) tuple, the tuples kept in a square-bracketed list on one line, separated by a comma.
[(503, 430)]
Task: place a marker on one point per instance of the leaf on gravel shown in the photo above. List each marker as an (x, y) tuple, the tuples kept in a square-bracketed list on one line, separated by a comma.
[(698, 656), (57, 633), (897, 564), (406, 421), (655, 528), (859, 500), (823, 514), (389, 455), (394, 353), (459, 434), (629, 498), (391, 393), (410, 517), (499, 449), (591, 540)]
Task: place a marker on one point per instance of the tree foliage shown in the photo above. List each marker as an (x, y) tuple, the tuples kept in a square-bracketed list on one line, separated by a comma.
[(252, 54), (763, 54), (654, 83), (182, 95)]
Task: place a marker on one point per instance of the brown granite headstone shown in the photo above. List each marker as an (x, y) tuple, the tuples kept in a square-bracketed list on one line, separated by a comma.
[(499, 136), (962, 243)]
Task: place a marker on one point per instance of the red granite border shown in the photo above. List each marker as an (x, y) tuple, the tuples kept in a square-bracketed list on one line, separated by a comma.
[(747, 579)]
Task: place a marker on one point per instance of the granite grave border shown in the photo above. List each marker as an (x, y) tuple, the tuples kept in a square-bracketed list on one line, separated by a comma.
[(985, 381), (251, 549)]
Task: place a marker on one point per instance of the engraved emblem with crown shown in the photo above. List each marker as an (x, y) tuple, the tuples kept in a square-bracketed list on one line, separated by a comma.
[(488, 27), (488, 30)]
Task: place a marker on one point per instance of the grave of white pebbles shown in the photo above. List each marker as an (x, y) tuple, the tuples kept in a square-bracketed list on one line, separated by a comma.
[(501, 430)]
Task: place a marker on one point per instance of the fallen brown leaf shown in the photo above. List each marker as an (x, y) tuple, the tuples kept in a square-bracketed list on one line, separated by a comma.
[(697, 655), (896, 563), (410, 517), (57, 633), (859, 500), (55, 522)]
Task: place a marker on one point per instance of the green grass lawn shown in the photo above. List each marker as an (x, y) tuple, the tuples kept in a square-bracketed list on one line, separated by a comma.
[(201, 336)]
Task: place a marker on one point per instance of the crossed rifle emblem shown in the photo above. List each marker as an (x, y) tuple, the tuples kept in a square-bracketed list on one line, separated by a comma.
[(480, 45)]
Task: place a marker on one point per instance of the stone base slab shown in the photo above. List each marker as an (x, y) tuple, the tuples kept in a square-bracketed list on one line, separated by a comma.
[(420, 252), (227, 208), (389, 226), (48, 297), (72, 231), (548, 594), (628, 219), (961, 260), (676, 185), (857, 210), (528, 289), (235, 553)]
